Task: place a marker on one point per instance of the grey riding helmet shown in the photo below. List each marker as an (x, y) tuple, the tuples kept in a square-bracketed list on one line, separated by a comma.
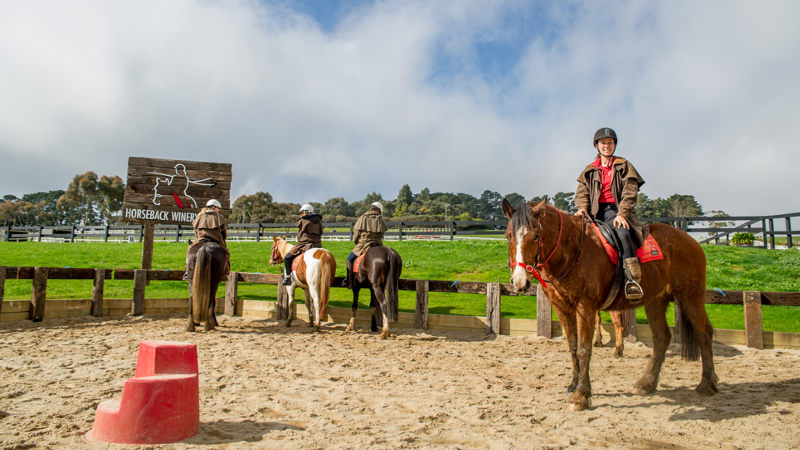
[(604, 133)]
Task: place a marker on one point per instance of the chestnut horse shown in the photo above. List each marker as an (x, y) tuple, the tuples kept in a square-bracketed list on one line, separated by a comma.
[(314, 274), (209, 269), (569, 260), (379, 272)]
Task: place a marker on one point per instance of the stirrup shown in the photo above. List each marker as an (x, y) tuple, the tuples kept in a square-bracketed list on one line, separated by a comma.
[(633, 290), (287, 280)]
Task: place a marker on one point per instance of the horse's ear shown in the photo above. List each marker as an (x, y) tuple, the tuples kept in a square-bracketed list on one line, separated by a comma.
[(508, 210), (283, 237), (537, 208), (274, 238)]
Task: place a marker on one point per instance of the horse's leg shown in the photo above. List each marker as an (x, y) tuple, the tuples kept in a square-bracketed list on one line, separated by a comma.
[(694, 313), (190, 323), (381, 301), (598, 331), (619, 331), (581, 398), (212, 303), (290, 303), (567, 319), (312, 302), (373, 306), (656, 317), (355, 287)]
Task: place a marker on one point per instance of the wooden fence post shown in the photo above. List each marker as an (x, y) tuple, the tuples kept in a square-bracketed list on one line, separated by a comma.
[(231, 292), (788, 232), (38, 294), (283, 302), (492, 308), (752, 320), (139, 284), (2, 287), (677, 337), (400, 231), (544, 314), (421, 310), (97, 292), (629, 323)]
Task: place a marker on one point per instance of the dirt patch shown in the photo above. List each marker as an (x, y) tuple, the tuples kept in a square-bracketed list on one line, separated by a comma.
[(265, 386)]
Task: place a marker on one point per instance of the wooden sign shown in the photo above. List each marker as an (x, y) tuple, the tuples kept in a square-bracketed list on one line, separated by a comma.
[(169, 191)]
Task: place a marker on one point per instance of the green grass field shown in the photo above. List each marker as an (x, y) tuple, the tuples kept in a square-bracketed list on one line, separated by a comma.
[(732, 268)]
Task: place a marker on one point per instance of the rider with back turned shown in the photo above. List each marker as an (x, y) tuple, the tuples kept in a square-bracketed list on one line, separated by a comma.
[(309, 235), (209, 225), (367, 232), (607, 190)]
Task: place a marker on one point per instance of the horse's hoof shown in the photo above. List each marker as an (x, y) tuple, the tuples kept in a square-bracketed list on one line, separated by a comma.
[(644, 386), (617, 353), (208, 328), (598, 343), (288, 323), (571, 387), (349, 328), (190, 329), (385, 334), (579, 402), (706, 388)]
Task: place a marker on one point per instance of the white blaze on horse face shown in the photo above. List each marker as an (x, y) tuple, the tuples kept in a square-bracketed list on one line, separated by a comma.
[(519, 277)]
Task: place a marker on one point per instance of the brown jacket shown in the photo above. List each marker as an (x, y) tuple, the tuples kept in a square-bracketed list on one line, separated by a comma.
[(210, 225), (309, 233), (368, 231), (625, 184)]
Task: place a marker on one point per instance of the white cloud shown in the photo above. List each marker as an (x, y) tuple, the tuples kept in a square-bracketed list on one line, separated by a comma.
[(694, 90)]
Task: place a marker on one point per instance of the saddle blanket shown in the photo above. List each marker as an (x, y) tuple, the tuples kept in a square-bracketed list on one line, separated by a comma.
[(296, 261), (650, 251), (358, 261)]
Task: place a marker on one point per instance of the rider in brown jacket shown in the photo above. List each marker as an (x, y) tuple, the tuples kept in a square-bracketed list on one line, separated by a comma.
[(309, 235), (209, 225), (367, 232), (607, 190)]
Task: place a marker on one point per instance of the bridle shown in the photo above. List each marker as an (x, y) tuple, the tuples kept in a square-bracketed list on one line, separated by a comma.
[(540, 251), (276, 254)]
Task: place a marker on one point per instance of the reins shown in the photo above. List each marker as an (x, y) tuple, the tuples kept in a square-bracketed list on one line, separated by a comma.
[(540, 266)]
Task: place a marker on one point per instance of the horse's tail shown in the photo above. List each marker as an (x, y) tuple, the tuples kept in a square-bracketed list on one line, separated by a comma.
[(327, 271), (201, 285), (392, 281), (690, 347)]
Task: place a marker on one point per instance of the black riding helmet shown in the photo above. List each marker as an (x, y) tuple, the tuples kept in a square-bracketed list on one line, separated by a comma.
[(604, 133)]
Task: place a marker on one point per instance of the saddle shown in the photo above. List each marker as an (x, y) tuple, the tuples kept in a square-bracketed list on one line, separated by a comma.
[(609, 236), (358, 261)]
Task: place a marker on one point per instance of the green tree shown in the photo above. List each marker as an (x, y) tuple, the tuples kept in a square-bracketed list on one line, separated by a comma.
[(565, 201), (490, 205), (92, 200), (253, 208)]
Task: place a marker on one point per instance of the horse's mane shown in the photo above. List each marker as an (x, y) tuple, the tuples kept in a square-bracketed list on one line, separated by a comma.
[(522, 217)]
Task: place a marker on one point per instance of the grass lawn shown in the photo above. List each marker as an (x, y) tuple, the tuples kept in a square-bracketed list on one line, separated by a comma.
[(732, 268)]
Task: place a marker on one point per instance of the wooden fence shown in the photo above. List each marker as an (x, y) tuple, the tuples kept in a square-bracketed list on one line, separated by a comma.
[(719, 229), (751, 300)]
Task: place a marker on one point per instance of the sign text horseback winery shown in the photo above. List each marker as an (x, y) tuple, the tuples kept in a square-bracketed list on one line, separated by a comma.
[(169, 191)]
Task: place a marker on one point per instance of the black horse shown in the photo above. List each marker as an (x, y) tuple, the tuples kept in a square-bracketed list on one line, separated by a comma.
[(207, 264), (379, 272)]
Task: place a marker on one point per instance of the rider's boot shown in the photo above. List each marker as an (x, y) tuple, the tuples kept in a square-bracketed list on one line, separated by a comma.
[(287, 272), (348, 281), (633, 272)]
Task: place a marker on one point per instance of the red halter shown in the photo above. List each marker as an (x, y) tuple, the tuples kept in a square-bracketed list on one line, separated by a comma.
[(531, 269)]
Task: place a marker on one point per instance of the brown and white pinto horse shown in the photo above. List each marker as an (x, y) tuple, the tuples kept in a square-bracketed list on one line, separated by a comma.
[(570, 262), (314, 274)]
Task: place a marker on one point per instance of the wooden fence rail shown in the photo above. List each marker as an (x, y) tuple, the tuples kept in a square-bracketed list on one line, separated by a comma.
[(751, 300)]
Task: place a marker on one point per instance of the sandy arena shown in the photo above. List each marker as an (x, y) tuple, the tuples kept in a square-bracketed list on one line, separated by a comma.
[(265, 386)]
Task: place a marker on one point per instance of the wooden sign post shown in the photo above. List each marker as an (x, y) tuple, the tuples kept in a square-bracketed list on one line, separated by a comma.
[(169, 191)]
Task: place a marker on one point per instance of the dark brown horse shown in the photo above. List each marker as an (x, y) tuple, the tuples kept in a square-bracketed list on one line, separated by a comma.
[(380, 273), (619, 331), (209, 269), (568, 257)]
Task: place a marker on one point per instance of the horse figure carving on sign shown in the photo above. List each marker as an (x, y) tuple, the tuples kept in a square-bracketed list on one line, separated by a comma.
[(379, 271), (569, 260), (207, 267), (315, 270)]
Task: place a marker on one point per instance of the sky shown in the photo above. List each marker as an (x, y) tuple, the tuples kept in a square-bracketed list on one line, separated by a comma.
[(310, 100)]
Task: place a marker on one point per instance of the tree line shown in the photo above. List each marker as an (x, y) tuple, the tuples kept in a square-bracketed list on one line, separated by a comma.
[(90, 199)]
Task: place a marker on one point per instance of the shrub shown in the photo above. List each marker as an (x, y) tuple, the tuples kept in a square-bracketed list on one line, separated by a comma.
[(743, 238)]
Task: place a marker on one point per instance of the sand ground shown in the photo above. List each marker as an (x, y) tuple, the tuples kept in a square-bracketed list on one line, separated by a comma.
[(265, 386)]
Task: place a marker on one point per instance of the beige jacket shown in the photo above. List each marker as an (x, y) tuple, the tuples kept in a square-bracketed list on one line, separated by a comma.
[(368, 231), (210, 225)]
